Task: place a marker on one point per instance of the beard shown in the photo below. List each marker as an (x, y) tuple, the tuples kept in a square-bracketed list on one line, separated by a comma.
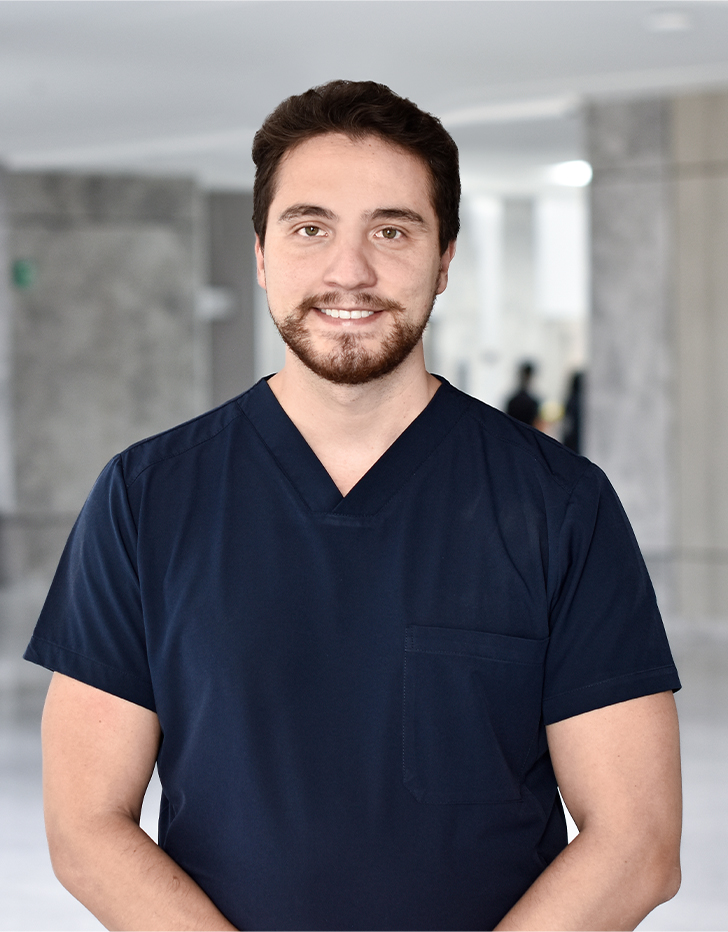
[(351, 362)]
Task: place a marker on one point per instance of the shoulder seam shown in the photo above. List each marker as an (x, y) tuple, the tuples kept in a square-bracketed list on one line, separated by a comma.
[(175, 453), (569, 489)]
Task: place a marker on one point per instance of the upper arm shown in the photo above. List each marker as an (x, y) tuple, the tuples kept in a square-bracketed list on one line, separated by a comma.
[(99, 752), (618, 769)]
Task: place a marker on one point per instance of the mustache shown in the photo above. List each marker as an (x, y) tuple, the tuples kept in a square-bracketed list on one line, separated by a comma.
[(371, 302)]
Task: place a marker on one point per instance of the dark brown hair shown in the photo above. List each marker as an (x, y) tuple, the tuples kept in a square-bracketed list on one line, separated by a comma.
[(358, 109)]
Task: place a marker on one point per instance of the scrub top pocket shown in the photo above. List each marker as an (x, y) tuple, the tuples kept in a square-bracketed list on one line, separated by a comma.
[(472, 707)]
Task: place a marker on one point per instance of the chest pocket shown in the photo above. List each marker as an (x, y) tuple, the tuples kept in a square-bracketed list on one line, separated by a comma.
[(472, 707)]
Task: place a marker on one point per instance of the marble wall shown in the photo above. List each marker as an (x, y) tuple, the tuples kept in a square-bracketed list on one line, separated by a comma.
[(105, 348), (104, 345), (7, 475), (659, 334), (629, 399)]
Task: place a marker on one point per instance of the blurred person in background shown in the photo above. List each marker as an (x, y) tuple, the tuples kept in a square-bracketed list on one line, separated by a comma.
[(572, 414), (523, 405), (366, 626)]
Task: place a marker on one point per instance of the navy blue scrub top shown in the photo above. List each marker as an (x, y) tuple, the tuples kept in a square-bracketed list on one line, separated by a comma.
[(353, 691)]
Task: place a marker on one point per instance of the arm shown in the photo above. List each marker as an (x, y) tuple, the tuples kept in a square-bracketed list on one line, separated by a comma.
[(98, 756), (618, 770)]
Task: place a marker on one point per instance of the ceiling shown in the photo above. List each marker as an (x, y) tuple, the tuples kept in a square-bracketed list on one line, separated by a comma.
[(181, 85)]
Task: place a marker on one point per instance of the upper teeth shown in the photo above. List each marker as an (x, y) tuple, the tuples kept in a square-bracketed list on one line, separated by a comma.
[(345, 315)]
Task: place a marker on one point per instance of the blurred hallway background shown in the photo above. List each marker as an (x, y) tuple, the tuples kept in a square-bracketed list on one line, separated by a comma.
[(594, 147)]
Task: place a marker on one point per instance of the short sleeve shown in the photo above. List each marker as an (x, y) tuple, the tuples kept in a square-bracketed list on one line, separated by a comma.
[(91, 627), (607, 640)]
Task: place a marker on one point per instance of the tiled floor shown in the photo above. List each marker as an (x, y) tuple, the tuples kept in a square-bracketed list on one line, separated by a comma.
[(31, 898)]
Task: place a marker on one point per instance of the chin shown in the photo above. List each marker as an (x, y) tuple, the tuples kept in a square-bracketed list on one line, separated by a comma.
[(349, 363)]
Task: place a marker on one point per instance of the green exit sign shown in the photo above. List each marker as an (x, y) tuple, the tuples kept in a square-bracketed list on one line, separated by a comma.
[(24, 273)]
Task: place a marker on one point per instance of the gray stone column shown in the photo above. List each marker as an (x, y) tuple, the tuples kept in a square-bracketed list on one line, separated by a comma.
[(629, 402), (7, 475), (657, 386), (105, 342), (105, 348), (700, 151)]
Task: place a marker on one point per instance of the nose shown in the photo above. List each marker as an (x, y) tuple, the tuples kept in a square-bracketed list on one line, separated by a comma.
[(349, 266)]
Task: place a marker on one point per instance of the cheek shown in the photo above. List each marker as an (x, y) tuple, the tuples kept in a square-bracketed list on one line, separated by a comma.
[(420, 283), (287, 273)]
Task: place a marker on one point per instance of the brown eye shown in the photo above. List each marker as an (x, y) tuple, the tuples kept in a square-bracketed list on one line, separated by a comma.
[(390, 233), (311, 230)]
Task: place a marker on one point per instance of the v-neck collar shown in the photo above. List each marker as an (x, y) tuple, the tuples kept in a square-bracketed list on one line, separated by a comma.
[(394, 467)]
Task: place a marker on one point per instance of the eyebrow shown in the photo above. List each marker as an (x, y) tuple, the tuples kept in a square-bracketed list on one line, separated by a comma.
[(397, 213), (381, 213), (306, 210)]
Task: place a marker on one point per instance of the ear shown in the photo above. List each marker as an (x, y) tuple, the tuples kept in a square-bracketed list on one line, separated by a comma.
[(445, 260), (259, 262)]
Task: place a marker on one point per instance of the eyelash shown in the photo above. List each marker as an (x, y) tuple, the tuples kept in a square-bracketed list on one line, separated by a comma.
[(312, 226)]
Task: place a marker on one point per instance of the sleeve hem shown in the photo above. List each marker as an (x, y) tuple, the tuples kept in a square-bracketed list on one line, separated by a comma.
[(609, 692), (92, 672)]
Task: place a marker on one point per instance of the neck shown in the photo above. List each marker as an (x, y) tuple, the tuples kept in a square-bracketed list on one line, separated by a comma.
[(349, 427)]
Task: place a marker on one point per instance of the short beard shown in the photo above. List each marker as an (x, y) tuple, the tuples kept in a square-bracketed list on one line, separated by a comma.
[(350, 363)]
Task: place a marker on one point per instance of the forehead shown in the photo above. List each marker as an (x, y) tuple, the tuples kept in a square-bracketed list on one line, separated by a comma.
[(334, 166)]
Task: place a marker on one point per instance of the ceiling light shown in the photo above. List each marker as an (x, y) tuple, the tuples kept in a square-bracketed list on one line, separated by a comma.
[(669, 21), (575, 174)]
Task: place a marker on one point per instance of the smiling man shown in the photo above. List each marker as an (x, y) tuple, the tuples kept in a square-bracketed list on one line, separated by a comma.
[(366, 626), (385, 270)]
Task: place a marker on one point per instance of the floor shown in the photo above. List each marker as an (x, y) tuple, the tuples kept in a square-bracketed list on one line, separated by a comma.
[(31, 898)]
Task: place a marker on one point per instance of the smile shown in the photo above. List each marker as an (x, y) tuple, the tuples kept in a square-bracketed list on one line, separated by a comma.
[(344, 315)]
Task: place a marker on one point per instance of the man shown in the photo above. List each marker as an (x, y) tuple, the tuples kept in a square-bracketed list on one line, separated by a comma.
[(523, 406), (364, 624)]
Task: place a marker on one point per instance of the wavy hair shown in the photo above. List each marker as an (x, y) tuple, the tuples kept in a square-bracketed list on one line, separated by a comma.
[(358, 109)]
